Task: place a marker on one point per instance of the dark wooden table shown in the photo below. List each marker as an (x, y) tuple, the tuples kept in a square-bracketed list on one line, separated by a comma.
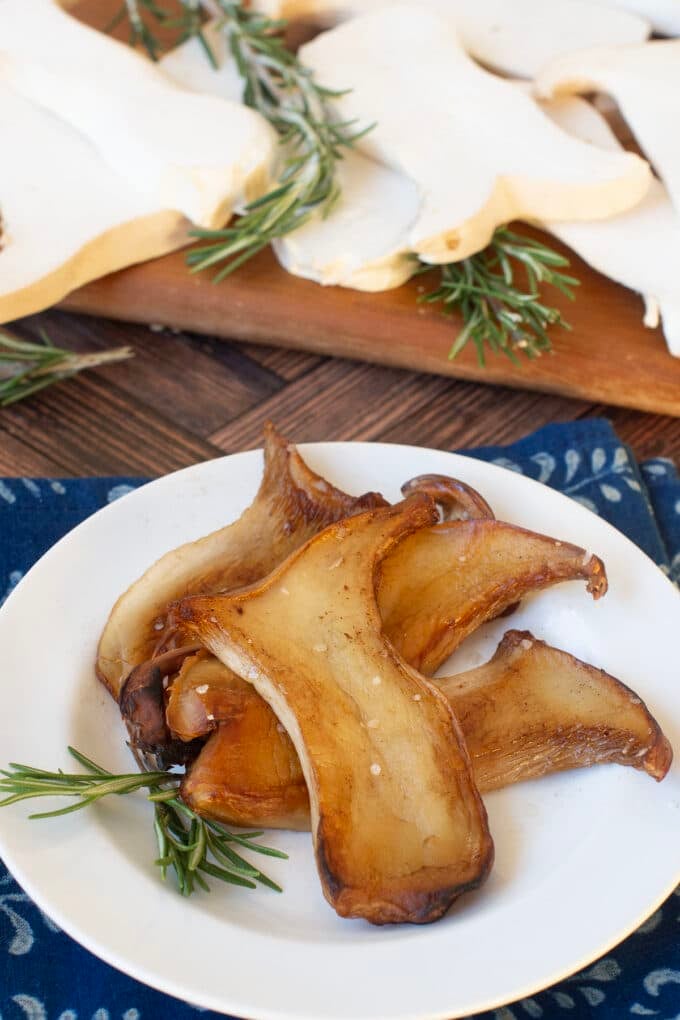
[(185, 398)]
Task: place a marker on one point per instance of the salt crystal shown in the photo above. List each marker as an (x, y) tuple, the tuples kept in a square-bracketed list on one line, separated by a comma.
[(321, 648), (375, 769), (158, 625), (203, 689), (372, 724), (526, 644), (284, 591), (210, 716), (376, 681), (417, 697), (340, 560)]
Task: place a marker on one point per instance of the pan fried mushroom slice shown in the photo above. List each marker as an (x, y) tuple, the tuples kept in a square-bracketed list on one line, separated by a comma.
[(442, 583), (292, 504), (248, 773), (398, 826), (142, 706), (204, 693), (530, 711), (455, 500), (533, 709)]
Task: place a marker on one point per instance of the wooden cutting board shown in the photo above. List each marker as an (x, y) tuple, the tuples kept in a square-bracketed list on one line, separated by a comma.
[(608, 356)]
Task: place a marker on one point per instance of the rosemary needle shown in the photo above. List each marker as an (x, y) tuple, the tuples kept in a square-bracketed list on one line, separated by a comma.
[(186, 842), (26, 368)]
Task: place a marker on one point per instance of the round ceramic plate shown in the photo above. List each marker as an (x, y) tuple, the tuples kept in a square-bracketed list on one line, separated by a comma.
[(581, 858)]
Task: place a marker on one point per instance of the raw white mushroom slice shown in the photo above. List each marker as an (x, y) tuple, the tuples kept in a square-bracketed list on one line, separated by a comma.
[(198, 154), (664, 15), (645, 82), (67, 218), (363, 242), (480, 151), (188, 65), (517, 37), (640, 248)]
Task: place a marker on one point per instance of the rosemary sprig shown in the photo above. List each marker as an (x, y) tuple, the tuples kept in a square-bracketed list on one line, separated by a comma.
[(27, 367), (498, 312), (188, 845)]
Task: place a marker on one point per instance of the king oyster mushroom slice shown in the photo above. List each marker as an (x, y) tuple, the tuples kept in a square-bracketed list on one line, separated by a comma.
[(442, 583), (158, 137), (530, 711), (645, 82), (639, 249), (455, 500), (534, 709), (292, 504), (543, 174), (516, 37), (398, 826), (434, 590)]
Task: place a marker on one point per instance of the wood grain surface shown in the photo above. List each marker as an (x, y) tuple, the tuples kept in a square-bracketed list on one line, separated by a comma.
[(608, 355), (184, 398)]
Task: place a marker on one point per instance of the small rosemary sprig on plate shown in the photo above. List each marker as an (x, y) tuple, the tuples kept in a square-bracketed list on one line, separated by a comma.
[(500, 313), (27, 367), (190, 846)]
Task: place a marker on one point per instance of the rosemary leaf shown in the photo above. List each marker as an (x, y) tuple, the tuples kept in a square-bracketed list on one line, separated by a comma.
[(185, 841), (26, 368), (500, 313)]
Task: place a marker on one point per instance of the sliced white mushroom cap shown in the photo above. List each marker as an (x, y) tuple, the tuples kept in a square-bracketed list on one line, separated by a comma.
[(645, 82), (67, 217), (639, 249), (188, 66), (516, 37), (480, 151), (197, 154)]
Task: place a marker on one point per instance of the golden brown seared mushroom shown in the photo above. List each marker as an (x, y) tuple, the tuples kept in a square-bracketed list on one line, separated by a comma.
[(530, 711), (442, 583), (142, 706), (398, 826), (534, 709), (451, 578), (292, 504), (455, 500)]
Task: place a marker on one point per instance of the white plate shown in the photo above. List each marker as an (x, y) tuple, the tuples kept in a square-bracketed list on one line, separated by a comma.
[(581, 859)]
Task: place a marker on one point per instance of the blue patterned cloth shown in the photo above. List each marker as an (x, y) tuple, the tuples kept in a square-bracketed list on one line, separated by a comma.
[(44, 975)]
